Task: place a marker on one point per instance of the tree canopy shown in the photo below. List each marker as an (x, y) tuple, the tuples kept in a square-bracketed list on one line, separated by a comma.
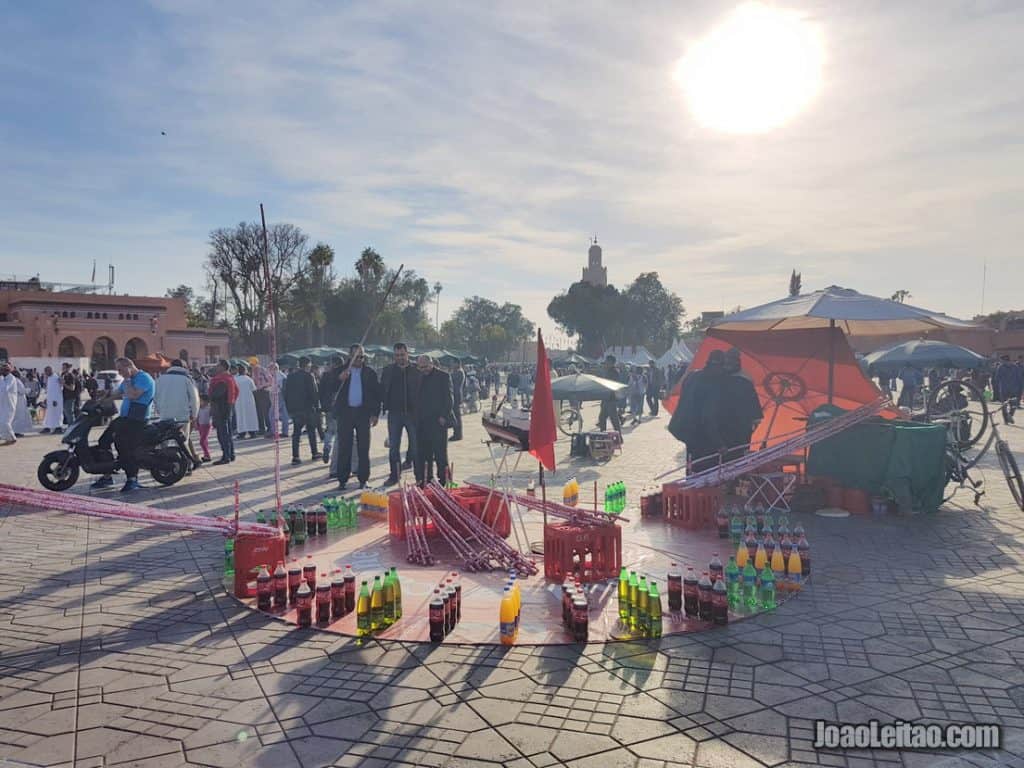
[(486, 328)]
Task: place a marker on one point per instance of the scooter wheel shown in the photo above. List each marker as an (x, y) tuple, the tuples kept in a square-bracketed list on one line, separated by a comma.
[(173, 466), (58, 471)]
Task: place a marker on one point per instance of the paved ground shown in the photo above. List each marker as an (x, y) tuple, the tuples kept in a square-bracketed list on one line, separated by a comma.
[(118, 646)]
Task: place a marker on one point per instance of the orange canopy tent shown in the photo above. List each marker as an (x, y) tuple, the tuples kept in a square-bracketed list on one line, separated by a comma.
[(154, 363), (790, 372)]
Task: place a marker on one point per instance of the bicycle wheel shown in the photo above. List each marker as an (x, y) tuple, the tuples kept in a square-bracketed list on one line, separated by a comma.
[(1011, 472), (570, 422), (961, 406)]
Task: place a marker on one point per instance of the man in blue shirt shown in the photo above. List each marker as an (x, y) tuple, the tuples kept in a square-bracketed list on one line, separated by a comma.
[(356, 409), (136, 391)]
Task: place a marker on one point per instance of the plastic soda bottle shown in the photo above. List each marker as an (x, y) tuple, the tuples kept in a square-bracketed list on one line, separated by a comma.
[(704, 594), (436, 617), (294, 579), (448, 599), (567, 494), (751, 542), (229, 557), (769, 543), (323, 600), (715, 568), (507, 618), (760, 557), (643, 620), (654, 609), (310, 517), (675, 589), (623, 594), (732, 582), (722, 523), (803, 547), (720, 602), (794, 570), (782, 534), (742, 554), (321, 521), (389, 599), (622, 496), (396, 585), (778, 565), (767, 597), (350, 589), (304, 605), (309, 572), (749, 586), (580, 622), (280, 587), (634, 597), (735, 528), (691, 589), (377, 605), (264, 589), (363, 625), (759, 517), (337, 594), (568, 592)]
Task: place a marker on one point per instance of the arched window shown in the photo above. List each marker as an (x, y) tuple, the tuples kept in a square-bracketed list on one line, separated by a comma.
[(135, 348), (70, 347), (104, 352)]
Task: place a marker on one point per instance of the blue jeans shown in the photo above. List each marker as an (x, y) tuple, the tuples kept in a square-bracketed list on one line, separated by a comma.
[(226, 438), (396, 423)]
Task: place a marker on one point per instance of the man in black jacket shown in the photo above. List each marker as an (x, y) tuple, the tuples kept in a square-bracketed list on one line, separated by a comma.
[(655, 382), (399, 384), (356, 409), (330, 380), (433, 415), (303, 402)]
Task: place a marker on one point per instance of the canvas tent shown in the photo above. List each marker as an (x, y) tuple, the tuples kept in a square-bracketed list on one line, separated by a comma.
[(629, 355), (677, 354)]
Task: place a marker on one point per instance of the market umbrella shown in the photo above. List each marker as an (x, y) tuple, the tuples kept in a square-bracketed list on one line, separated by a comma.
[(923, 354), (583, 386), (573, 358), (318, 355), (442, 356), (153, 363), (792, 373), (835, 307)]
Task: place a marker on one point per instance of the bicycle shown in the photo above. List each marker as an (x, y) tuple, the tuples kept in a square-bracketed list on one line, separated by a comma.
[(570, 419), (960, 405)]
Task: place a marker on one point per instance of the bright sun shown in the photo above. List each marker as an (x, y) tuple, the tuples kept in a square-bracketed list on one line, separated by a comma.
[(754, 71)]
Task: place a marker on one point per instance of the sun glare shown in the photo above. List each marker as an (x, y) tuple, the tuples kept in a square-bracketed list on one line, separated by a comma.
[(753, 72)]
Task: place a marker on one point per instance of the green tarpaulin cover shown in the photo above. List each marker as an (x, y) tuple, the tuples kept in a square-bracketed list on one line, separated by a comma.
[(903, 459)]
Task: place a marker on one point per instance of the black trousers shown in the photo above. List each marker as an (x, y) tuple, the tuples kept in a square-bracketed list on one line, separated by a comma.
[(308, 422), (457, 412), (127, 434), (652, 402), (262, 408), (609, 410), (353, 421), (431, 451)]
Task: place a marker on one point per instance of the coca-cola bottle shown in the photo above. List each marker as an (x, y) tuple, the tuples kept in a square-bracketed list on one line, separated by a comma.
[(716, 570), (704, 594), (304, 605), (263, 589), (690, 593), (436, 617), (280, 587), (294, 579), (337, 594), (309, 572), (350, 589), (323, 601), (675, 589), (720, 602)]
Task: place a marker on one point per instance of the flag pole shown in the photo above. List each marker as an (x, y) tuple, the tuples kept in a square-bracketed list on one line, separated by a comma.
[(543, 493)]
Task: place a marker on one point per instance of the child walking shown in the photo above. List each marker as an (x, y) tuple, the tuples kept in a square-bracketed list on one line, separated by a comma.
[(204, 421)]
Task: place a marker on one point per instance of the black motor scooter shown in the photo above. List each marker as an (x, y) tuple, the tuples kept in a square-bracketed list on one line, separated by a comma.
[(161, 450)]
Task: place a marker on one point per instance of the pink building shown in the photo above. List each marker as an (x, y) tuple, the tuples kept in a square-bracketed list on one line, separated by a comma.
[(40, 323)]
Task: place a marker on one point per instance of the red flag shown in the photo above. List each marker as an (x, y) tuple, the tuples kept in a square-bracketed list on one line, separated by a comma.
[(542, 419)]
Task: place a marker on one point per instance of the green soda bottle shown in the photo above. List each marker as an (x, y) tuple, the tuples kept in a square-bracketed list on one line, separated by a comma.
[(229, 557), (363, 626), (767, 598), (622, 496), (643, 622), (353, 513), (624, 595), (377, 605), (261, 518), (389, 599), (396, 585), (654, 610), (749, 586), (732, 582), (608, 498), (634, 600)]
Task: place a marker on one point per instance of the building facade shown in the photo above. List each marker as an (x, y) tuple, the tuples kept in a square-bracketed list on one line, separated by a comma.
[(595, 273), (39, 323)]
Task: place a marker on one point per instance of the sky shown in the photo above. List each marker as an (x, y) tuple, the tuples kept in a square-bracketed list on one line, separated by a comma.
[(483, 144)]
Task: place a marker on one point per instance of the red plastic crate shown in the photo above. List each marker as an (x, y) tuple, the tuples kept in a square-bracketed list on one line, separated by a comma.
[(250, 553), (691, 508), (593, 552)]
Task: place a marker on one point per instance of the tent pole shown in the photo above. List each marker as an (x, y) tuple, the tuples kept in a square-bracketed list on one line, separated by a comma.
[(831, 358)]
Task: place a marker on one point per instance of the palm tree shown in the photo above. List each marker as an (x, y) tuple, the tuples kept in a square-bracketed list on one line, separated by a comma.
[(370, 268), (437, 305)]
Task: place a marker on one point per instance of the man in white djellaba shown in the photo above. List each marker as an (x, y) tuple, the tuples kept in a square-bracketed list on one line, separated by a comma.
[(54, 402), (8, 404), (22, 419), (245, 406)]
